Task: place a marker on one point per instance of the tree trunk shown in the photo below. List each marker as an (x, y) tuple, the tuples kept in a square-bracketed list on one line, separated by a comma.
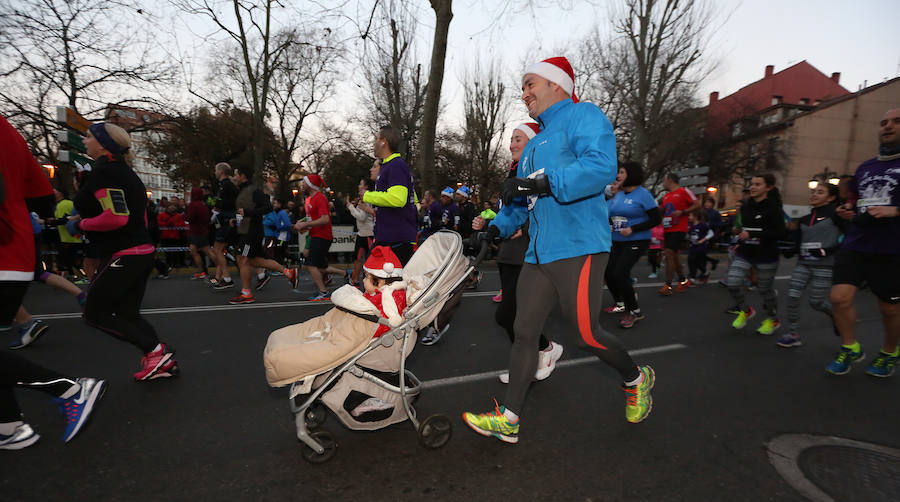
[(443, 10)]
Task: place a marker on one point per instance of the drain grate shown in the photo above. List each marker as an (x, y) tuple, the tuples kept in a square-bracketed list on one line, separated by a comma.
[(848, 473)]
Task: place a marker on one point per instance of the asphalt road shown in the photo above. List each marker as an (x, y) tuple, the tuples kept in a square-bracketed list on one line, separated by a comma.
[(218, 432)]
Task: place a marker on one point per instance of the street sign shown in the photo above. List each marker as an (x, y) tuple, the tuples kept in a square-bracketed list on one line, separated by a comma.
[(71, 118), (80, 162), (693, 170), (71, 139)]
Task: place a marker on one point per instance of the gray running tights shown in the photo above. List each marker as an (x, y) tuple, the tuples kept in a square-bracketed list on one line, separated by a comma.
[(577, 284), (739, 270), (819, 281)]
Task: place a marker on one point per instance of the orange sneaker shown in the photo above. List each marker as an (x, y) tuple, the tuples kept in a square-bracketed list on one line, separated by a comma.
[(666, 290), (682, 286)]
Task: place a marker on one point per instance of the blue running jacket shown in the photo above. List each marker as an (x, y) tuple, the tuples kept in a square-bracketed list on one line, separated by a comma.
[(576, 150)]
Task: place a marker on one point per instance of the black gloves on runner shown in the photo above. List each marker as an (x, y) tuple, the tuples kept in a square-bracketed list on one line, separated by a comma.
[(518, 187)]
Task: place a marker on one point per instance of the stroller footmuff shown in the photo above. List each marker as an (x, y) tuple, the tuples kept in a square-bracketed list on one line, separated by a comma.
[(332, 362)]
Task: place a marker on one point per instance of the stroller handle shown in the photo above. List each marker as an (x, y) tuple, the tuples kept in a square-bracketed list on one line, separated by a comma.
[(482, 244)]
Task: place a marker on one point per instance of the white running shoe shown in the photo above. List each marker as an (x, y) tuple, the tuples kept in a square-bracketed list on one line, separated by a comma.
[(546, 363), (547, 360)]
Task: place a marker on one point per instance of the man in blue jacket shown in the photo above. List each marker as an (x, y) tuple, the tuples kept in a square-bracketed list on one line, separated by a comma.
[(559, 188)]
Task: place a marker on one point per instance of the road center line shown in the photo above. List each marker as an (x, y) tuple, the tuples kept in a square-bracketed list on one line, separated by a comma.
[(490, 375), (275, 305)]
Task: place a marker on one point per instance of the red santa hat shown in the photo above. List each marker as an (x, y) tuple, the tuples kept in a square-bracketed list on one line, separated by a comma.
[(557, 70), (529, 128), (314, 180), (383, 263)]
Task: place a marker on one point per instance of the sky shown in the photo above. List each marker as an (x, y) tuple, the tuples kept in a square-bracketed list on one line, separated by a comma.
[(856, 39)]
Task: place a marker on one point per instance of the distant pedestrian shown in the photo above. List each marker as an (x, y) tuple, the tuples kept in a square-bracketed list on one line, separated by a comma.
[(394, 197)]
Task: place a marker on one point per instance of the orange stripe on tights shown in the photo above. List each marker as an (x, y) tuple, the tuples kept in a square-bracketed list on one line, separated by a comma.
[(584, 309)]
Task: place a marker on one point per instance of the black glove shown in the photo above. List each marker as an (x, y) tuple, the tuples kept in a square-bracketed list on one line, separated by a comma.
[(518, 187), (492, 234)]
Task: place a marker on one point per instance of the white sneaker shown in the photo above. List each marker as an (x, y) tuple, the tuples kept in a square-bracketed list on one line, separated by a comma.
[(546, 363), (547, 360)]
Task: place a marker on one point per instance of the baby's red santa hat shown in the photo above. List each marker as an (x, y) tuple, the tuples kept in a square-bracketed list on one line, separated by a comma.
[(383, 263)]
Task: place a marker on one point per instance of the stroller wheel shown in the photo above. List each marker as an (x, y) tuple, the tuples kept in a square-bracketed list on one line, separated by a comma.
[(315, 415), (435, 431), (324, 438)]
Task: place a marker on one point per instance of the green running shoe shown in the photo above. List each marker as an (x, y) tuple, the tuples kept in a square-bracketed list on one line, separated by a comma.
[(844, 359), (494, 424), (768, 326), (883, 365), (742, 318), (638, 401)]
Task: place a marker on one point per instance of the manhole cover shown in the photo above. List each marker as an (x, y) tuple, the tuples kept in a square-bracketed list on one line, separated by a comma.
[(848, 473)]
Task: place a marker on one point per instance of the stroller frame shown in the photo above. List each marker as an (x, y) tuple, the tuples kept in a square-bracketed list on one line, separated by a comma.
[(434, 432)]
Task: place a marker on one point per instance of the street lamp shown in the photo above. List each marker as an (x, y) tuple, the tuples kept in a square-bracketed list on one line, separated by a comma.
[(51, 169), (712, 190), (828, 176)]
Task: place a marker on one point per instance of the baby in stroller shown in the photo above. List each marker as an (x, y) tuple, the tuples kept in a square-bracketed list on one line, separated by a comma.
[(351, 360)]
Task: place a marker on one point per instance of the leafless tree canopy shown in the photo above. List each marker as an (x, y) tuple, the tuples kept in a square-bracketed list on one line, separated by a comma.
[(644, 75), (486, 111), (84, 54), (395, 86)]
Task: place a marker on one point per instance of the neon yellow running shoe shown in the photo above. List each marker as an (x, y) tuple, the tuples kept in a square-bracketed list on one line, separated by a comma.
[(493, 423), (638, 401), (768, 326), (742, 318)]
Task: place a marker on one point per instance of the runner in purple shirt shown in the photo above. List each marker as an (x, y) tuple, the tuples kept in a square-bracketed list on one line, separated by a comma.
[(871, 253)]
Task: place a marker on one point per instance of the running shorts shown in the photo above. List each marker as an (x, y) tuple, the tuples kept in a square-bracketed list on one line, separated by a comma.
[(201, 241), (11, 295), (318, 252), (363, 247), (250, 245), (880, 271), (674, 240)]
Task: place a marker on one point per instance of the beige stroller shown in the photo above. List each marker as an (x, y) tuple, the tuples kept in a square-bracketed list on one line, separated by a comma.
[(332, 362)]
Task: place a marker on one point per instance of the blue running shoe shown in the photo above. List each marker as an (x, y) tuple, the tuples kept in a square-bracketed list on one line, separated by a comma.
[(843, 360), (30, 334), (319, 297), (78, 408), (789, 340), (883, 365)]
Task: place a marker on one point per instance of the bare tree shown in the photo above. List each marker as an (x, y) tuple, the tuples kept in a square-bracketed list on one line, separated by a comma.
[(303, 80), (486, 110), (75, 53), (396, 91), (249, 27), (443, 11), (645, 76)]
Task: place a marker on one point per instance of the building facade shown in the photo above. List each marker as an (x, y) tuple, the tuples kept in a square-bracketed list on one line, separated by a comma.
[(144, 125)]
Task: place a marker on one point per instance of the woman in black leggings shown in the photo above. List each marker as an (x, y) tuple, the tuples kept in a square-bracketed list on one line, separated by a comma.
[(510, 259), (632, 214), (112, 207)]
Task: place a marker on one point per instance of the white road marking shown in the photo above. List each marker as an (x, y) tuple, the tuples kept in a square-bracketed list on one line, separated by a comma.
[(490, 375), (275, 305)]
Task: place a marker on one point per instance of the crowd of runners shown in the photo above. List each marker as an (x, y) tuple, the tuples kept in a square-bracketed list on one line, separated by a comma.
[(564, 175)]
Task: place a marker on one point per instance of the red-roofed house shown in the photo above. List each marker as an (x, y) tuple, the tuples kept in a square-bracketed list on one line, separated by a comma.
[(800, 84), (799, 124)]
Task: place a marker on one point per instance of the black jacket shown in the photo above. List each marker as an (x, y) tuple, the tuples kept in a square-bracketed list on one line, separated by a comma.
[(764, 221), (114, 175)]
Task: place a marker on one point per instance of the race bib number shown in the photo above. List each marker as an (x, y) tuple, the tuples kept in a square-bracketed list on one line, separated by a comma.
[(753, 241), (667, 221), (811, 250), (618, 223), (865, 204)]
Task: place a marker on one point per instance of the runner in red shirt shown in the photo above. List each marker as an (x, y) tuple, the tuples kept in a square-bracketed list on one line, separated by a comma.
[(675, 208), (320, 236), (21, 178)]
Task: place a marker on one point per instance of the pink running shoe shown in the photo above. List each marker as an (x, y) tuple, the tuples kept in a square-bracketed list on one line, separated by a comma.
[(152, 361), (498, 298)]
